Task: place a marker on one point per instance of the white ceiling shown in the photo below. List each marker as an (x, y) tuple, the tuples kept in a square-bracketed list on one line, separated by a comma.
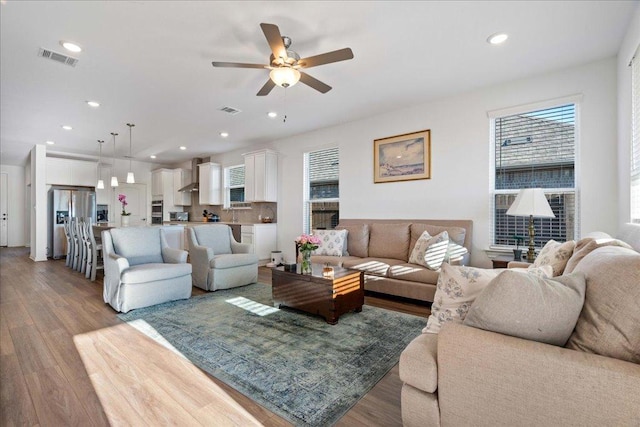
[(149, 63)]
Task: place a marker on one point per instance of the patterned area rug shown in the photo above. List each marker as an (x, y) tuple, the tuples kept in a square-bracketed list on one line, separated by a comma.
[(294, 364)]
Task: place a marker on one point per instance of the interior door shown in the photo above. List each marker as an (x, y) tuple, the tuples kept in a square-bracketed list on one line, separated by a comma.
[(137, 204), (4, 186)]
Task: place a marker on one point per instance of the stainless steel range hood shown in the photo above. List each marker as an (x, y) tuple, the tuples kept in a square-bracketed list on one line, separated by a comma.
[(195, 181)]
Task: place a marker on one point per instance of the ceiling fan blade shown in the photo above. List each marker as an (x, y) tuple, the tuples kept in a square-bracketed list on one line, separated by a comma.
[(266, 88), (237, 65), (326, 58), (314, 83), (272, 33)]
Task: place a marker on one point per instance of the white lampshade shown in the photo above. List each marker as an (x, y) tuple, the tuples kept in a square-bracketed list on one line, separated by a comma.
[(130, 178), (114, 181), (285, 76), (531, 202), (100, 185)]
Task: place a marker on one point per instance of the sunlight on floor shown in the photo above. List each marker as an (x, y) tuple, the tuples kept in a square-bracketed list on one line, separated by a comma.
[(151, 332), (252, 306), (139, 382)]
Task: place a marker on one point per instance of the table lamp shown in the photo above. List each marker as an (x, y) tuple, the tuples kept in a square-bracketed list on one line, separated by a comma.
[(531, 202)]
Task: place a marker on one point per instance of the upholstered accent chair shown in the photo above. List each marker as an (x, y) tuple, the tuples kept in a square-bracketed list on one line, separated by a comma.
[(141, 270), (219, 262)]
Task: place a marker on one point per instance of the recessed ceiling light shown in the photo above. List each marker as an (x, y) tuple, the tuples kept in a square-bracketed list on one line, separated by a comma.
[(183, 147), (272, 114), (224, 134), (66, 127), (50, 142), (70, 46), (153, 156), (93, 104), (497, 38)]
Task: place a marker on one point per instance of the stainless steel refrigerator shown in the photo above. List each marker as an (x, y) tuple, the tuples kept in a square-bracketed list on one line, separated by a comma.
[(67, 202)]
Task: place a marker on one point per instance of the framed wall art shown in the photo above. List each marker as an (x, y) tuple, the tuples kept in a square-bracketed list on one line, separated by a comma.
[(402, 157)]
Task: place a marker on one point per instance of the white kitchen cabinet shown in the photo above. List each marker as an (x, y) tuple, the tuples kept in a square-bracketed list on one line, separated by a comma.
[(210, 192), (71, 172), (156, 183), (58, 171), (263, 237), (261, 176), (162, 186), (181, 177)]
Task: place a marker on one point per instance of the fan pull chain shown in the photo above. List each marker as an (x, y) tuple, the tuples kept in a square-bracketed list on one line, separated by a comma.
[(285, 106)]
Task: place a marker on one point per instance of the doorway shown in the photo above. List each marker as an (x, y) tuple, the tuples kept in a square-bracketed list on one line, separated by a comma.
[(136, 195), (4, 200)]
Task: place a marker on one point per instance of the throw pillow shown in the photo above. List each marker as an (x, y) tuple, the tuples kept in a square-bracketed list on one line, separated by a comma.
[(430, 251), (608, 324), (555, 254), (332, 242), (455, 253), (458, 286), (357, 239), (587, 245), (530, 307)]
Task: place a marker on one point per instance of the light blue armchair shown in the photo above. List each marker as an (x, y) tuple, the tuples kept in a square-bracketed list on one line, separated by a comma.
[(219, 262), (141, 270)]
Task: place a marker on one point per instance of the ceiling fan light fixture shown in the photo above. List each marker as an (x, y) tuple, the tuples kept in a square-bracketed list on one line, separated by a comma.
[(285, 76)]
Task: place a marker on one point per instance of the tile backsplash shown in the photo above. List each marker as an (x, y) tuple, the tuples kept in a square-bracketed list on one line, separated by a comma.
[(250, 215)]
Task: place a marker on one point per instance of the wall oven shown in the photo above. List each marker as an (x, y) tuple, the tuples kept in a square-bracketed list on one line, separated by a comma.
[(156, 212)]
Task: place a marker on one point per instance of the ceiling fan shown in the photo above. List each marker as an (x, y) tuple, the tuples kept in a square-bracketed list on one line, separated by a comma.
[(285, 64)]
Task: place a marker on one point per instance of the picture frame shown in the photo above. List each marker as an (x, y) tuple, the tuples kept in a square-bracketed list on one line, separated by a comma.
[(402, 157)]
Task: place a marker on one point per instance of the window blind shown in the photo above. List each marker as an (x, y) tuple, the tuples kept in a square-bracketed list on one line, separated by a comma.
[(234, 185), (635, 139), (535, 149), (322, 189)]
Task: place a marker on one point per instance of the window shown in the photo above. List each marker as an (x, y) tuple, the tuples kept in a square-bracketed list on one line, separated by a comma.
[(635, 139), (321, 198), (234, 186), (535, 149)]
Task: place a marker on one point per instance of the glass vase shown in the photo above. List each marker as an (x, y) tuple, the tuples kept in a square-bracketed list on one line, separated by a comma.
[(124, 220), (305, 264)]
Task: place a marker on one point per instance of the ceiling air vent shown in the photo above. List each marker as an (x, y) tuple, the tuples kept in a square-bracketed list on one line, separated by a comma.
[(58, 57), (230, 110)]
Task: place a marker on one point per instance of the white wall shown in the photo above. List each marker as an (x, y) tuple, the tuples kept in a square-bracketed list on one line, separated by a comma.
[(460, 152), (15, 204), (38, 203), (627, 49)]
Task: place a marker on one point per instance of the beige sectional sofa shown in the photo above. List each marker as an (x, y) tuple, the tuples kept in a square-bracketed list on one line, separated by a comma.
[(381, 248), (469, 376)]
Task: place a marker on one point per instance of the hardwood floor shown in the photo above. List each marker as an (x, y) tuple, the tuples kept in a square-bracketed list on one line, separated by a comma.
[(66, 359)]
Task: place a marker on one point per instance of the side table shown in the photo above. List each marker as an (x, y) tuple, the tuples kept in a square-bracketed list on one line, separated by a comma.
[(503, 261)]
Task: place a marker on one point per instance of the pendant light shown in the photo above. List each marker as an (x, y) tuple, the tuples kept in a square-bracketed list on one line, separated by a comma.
[(114, 178), (130, 178), (100, 185)]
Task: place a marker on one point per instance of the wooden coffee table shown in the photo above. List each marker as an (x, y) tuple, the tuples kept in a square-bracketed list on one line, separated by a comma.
[(315, 294)]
